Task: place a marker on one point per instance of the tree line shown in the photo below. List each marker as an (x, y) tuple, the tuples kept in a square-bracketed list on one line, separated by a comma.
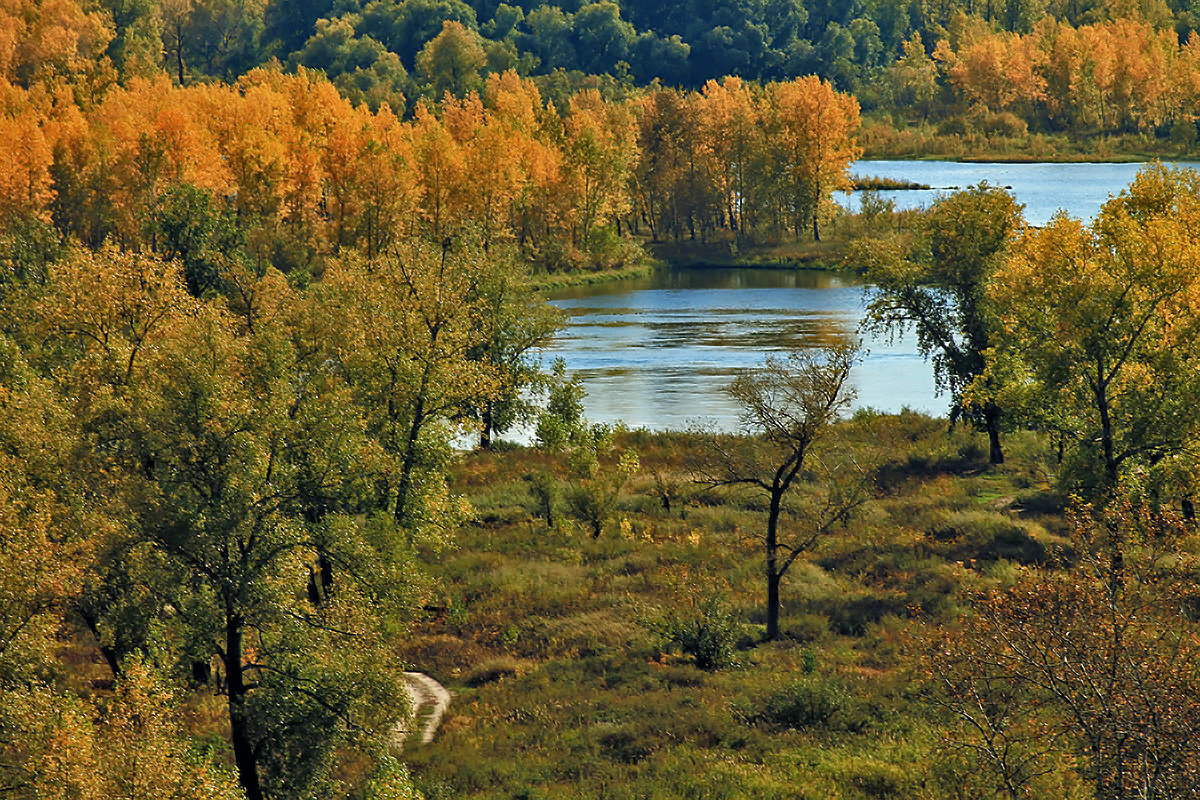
[(1077, 66), (1124, 75), (279, 171)]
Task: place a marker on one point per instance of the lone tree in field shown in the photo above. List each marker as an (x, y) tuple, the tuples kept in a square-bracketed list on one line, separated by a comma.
[(787, 407)]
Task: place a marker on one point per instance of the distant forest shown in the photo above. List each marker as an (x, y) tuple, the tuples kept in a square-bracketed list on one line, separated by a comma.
[(998, 67)]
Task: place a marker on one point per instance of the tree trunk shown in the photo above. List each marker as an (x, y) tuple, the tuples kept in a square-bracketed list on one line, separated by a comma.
[(772, 604), (1106, 430), (110, 655), (239, 729), (773, 575), (992, 426), (485, 436), (409, 461)]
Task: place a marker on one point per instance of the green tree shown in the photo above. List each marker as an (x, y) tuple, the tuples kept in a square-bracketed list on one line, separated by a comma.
[(230, 454), (935, 280), (452, 61), (189, 225), (239, 437), (602, 38), (516, 324)]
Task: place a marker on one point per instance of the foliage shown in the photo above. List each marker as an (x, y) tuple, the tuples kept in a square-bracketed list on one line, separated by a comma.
[(560, 422), (598, 478), (1098, 660), (700, 622), (1099, 326), (936, 282), (813, 703)]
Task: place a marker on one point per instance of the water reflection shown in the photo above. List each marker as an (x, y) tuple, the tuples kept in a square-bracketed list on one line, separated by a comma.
[(656, 352)]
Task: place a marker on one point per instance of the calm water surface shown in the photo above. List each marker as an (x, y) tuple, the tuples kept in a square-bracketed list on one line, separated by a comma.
[(657, 352), (1078, 189)]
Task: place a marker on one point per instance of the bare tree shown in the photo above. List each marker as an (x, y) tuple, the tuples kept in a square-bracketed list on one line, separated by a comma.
[(1098, 661), (788, 405)]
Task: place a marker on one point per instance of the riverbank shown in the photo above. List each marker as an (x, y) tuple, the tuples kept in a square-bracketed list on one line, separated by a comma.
[(566, 280), (927, 142), (828, 254)]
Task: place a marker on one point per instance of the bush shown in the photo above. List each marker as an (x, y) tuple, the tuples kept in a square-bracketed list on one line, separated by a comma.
[(953, 126), (545, 491), (492, 670), (561, 421), (988, 536), (807, 627), (1004, 123), (814, 703), (706, 630)]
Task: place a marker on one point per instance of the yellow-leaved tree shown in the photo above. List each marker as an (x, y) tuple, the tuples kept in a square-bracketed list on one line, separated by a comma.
[(809, 130), (1101, 326)]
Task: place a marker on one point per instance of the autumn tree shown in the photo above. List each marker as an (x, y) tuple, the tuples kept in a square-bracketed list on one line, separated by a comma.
[(599, 150), (59, 745), (401, 330), (235, 459), (728, 116), (936, 281), (1101, 322), (1095, 662), (809, 131)]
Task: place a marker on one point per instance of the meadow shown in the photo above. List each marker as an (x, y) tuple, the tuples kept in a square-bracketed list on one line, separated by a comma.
[(567, 656)]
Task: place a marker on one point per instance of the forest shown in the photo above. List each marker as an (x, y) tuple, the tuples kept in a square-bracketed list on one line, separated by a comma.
[(272, 292)]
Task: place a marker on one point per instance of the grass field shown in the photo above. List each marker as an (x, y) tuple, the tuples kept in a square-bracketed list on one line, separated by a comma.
[(566, 686)]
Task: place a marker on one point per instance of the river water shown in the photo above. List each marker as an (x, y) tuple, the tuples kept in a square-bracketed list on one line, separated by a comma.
[(1078, 189), (657, 352)]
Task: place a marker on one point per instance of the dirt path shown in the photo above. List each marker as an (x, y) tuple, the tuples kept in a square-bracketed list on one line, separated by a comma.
[(429, 700)]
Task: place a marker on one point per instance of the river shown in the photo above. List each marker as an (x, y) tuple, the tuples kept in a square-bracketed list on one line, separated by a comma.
[(1079, 189), (657, 352)]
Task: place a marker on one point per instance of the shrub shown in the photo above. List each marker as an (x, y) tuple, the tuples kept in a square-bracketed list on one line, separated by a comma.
[(492, 670), (814, 703), (545, 491), (707, 630), (1004, 123), (624, 745), (807, 627), (561, 421), (953, 126), (988, 536)]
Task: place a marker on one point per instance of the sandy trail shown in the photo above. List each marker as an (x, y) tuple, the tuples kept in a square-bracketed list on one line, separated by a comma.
[(429, 701)]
